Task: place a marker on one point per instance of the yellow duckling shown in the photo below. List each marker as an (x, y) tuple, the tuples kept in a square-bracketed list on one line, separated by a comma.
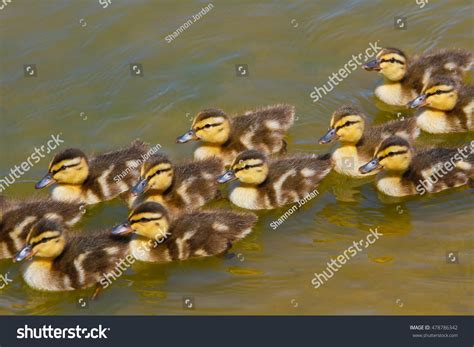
[(63, 261), (181, 186), (271, 184), (194, 234), (93, 180), (225, 137), (358, 141), (420, 171), (448, 106), (405, 78), (16, 221)]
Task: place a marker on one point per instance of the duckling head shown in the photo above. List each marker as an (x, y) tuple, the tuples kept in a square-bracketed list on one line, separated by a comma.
[(150, 220), (347, 125), (211, 126), (156, 174), (390, 62), (440, 93), (250, 167), (67, 167), (45, 239), (394, 154)]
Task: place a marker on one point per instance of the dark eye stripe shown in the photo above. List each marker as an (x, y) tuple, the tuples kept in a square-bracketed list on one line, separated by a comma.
[(391, 154), (247, 167), (392, 60), (44, 240), (158, 172), (208, 126), (63, 167), (439, 92), (347, 124), (143, 220)]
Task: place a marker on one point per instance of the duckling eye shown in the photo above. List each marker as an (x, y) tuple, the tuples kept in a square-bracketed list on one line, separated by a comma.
[(207, 126)]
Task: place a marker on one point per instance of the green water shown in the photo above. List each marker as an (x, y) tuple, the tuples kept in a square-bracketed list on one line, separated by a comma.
[(85, 91)]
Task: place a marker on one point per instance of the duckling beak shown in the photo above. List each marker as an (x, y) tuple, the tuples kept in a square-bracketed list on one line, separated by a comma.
[(140, 187), (25, 253), (190, 135), (330, 135), (373, 65), (370, 166), (122, 229), (45, 181), (418, 102), (226, 177)]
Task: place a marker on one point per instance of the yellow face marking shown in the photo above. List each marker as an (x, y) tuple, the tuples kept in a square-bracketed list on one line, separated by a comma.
[(391, 149), (159, 167), (145, 215), (345, 119), (66, 162), (208, 121), (44, 235)]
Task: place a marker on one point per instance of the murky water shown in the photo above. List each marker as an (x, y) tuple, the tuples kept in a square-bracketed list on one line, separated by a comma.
[(84, 91)]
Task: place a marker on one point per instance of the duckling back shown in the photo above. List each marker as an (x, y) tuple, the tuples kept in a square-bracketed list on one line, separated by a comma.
[(17, 221), (202, 233)]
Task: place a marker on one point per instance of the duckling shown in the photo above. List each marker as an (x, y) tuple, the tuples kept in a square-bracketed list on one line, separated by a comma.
[(448, 106), (360, 141), (67, 260), (180, 186), (97, 179), (412, 171), (194, 234), (271, 184), (225, 137), (405, 79), (17, 220)]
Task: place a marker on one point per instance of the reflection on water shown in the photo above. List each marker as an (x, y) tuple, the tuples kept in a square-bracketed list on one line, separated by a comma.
[(85, 90)]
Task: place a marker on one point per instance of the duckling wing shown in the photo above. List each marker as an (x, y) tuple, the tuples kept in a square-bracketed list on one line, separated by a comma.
[(90, 255), (206, 233), (441, 168), (454, 62), (195, 183), (262, 129)]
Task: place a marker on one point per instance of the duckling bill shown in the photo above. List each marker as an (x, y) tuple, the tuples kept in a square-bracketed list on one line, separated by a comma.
[(268, 184), (92, 180), (194, 234)]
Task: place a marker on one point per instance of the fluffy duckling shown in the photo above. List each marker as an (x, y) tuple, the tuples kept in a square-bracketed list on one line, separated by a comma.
[(405, 78), (271, 184), (225, 137), (180, 186), (17, 220), (194, 234), (358, 141), (69, 260), (97, 179), (448, 106), (410, 171)]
